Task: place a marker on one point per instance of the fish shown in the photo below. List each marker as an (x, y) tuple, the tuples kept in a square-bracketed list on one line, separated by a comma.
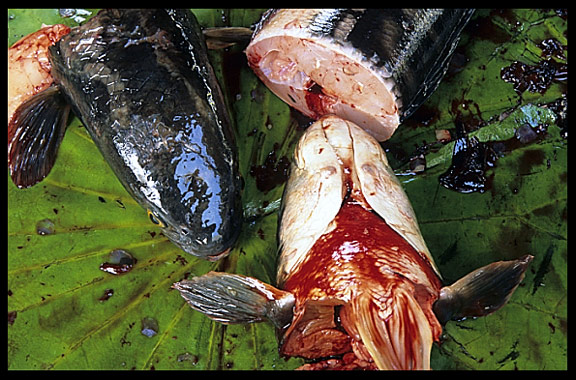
[(141, 83), (374, 67), (356, 286), (30, 74), (30, 67)]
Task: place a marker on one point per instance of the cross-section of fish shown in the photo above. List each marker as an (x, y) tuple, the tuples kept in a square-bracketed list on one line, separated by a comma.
[(371, 66)]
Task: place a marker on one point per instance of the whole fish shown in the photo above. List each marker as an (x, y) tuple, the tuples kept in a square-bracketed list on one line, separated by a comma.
[(371, 66), (356, 286), (141, 83)]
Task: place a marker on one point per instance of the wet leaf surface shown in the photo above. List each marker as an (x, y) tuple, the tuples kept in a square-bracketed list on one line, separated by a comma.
[(64, 312)]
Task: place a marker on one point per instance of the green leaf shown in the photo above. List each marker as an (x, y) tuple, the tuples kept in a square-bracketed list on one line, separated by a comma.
[(498, 131), (60, 311), (522, 212), (66, 313)]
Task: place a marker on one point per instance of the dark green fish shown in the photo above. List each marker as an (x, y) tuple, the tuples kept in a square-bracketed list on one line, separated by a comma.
[(373, 67), (141, 83)]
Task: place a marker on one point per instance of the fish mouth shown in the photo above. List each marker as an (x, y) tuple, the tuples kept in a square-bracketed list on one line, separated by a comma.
[(211, 252), (219, 256), (210, 248)]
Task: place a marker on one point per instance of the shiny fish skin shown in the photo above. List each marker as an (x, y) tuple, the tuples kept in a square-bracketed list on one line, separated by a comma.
[(373, 67), (141, 83)]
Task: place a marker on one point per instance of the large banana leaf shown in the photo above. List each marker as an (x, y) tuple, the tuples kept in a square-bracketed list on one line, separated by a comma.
[(66, 313)]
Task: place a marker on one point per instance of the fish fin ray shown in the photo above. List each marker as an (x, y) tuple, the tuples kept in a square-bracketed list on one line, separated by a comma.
[(226, 36), (231, 298), (394, 327), (34, 136), (482, 291)]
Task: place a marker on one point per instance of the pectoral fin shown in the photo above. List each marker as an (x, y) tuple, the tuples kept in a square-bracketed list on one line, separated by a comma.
[(231, 298), (224, 37), (482, 291), (34, 135)]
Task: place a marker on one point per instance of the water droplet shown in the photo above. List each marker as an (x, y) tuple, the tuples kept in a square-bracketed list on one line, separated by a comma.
[(187, 357), (119, 262), (149, 327), (66, 12), (45, 227), (525, 134), (78, 15)]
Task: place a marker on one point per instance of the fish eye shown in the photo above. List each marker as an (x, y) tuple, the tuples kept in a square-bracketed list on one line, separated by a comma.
[(155, 219)]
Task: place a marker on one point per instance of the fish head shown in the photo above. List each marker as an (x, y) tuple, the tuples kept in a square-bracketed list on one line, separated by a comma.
[(185, 177), (190, 187), (207, 230), (144, 89), (366, 288)]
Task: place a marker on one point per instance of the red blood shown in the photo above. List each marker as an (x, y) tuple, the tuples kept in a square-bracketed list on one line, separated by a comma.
[(317, 101), (361, 253), (351, 246)]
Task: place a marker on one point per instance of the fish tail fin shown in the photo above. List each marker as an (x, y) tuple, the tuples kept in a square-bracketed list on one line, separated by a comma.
[(34, 135), (482, 291), (394, 328), (232, 298)]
